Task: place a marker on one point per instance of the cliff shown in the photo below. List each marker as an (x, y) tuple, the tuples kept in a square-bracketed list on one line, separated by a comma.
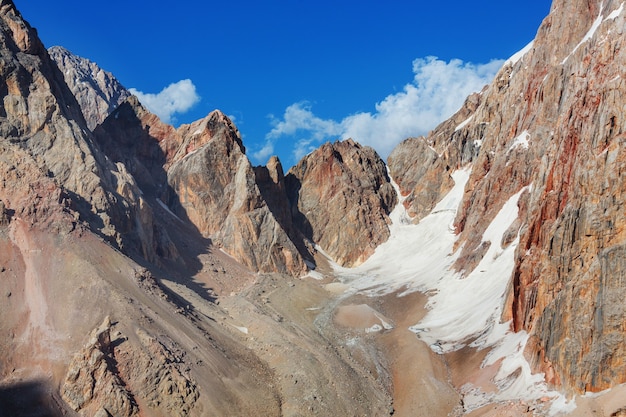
[(552, 121)]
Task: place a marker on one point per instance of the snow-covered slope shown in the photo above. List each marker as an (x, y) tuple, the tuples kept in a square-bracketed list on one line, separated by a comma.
[(464, 310), (549, 134)]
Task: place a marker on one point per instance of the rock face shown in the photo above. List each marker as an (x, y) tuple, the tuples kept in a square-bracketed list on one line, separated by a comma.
[(422, 166), (341, 197), (43, 118), (101, 375), (576, 232), (553, 122), (93, 378), (215, 187), (133, 136), (97, 91)]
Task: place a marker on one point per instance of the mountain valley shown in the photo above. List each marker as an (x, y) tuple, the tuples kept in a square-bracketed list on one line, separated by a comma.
[(149, 270)]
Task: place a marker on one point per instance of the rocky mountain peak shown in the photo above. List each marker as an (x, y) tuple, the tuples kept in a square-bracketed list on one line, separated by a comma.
[(341, 197), (23, 37), (215, 126), (98, 92)]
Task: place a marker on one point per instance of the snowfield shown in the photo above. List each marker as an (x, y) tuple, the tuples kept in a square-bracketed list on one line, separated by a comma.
[(463, 310)]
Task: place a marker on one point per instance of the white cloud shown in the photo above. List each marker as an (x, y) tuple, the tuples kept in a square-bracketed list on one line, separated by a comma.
[(175, 98), (437, 90), (299, 118), (264, 153)]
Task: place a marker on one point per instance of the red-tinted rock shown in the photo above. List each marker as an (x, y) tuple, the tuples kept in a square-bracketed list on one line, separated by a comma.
[(341, 197), (554, 122)]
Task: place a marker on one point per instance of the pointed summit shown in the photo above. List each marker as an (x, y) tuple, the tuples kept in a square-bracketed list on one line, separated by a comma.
[(97, 91), (341, 197)]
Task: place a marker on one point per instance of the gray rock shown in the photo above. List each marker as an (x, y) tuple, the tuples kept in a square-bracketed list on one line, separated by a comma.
[(97, 91)]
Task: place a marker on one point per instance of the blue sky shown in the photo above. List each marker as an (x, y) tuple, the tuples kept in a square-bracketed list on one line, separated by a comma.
[(294, 74)]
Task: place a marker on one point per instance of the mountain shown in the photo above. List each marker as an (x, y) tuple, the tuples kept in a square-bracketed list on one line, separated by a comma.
[(97, 91), (151, 270), (549, 127), (117, 298), (341, 196), (216, 189)]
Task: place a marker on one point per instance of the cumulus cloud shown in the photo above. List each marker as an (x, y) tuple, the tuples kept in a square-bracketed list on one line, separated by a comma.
[(265, 152), (437, 90), (175, 98), (298, 119)]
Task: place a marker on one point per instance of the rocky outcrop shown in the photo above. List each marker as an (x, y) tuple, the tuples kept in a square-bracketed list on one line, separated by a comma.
[(158, 374), (101, 376), (214, 186), (114, 375), (271, 182), (551, 123), (97, 91), (4, 215), (92, 384), (341, 197)]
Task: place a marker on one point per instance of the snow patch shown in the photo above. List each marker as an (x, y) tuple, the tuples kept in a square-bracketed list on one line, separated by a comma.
[(385, 325), (415, 255), (464, 123), (166, 208), (227, 254), (521, 141), (591, 32), (594, 27), (374, 329), (561, 406), (520, 54), (379, 327), (330, 260), (453, 317), (420, 257), (315, 275), (615, 13), (243, 330)]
